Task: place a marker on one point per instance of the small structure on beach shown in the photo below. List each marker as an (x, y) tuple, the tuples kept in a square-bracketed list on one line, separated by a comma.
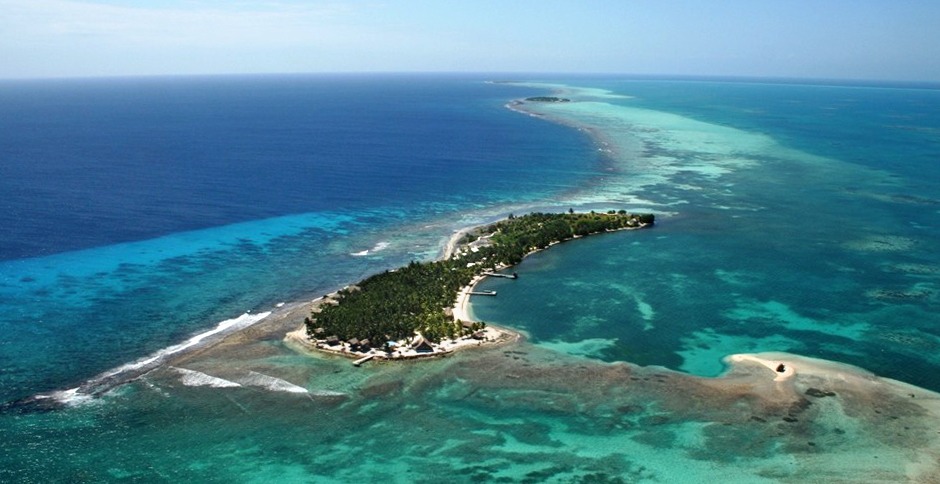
[(422, 345)]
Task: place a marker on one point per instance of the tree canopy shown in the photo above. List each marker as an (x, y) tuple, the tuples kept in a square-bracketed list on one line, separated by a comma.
[(393, 305)]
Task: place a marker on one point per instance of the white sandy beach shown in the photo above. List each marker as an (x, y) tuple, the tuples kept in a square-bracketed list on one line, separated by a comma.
[(783, 370), (489, 336)]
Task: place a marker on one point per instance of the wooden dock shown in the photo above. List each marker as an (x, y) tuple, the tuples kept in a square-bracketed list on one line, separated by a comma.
[(363, 360), (496, 274)]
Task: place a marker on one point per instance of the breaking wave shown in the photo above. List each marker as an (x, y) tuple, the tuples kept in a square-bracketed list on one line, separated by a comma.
[(193, 378)]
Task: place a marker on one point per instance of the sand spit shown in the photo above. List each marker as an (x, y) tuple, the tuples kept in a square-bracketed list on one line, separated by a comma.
[(784, 370), (891, 418)]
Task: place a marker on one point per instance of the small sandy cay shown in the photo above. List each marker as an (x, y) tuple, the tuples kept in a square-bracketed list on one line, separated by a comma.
[(783, 370)]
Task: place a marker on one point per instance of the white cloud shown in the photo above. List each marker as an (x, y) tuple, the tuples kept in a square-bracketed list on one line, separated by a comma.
[(70, 37), (203, 25)]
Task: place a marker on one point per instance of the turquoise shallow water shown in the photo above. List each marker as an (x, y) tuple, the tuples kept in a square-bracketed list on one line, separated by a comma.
[(772, 248), (773, 234), (512, 414)]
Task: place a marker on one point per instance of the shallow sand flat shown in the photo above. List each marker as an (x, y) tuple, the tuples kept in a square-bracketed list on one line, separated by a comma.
[(647, 147), (517, 409), (889, 417), (563, 90), (820, 420), (784, 370)]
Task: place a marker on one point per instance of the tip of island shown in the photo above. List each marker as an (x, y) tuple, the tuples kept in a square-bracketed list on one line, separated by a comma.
[(420, 310)]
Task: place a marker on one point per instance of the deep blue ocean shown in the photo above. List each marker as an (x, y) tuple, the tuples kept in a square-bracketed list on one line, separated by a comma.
[(138, 212)]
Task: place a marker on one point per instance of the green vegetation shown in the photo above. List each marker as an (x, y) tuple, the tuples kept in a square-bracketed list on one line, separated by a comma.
[(547, 99), (395, 304)]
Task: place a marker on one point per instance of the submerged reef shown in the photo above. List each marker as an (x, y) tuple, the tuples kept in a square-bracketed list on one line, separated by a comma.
[(522, 413)]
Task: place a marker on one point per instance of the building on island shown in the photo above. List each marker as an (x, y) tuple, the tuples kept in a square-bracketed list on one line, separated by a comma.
[(422, 345)]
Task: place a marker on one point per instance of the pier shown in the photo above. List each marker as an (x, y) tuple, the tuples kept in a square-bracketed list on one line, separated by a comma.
[(482, 293), (496, 274), (363, 360)]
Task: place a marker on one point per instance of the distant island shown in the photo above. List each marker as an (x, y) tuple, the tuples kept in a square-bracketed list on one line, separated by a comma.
[(548, 99), (419, 310)]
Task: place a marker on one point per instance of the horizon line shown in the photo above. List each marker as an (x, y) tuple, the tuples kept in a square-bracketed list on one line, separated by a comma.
[(498, 75)]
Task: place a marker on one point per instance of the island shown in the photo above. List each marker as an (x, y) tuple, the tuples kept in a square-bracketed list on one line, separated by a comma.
[(419, 310), (548, 99)]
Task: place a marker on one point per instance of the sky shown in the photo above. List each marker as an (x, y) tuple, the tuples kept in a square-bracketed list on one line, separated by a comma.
[(821, 39)]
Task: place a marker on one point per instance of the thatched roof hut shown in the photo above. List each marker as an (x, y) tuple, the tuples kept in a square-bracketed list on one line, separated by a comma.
[(422, 345)]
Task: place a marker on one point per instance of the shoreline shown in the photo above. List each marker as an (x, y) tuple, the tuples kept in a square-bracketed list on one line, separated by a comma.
[(489, 336), (461, 308), (493, 337), (460, 312), (800, 369), (784, 370)]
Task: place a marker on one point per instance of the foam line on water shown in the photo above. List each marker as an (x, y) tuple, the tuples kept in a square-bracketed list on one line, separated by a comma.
[(268, 382), (130, 371), (192, 378), (377, 248), (227, 326)]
